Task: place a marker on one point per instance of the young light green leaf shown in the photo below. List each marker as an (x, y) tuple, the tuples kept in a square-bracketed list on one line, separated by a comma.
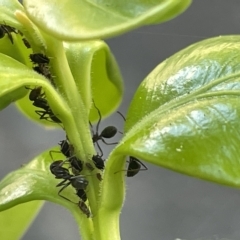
[(17, 50), (85, 20), (12, 5), (7, 11), (31, 182), (15, 221), (96, 74), (14, 77), (185, 114)]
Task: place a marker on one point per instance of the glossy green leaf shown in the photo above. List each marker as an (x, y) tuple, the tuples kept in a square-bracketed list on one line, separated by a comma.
[(15, 221), (186, 114), (31, 182), (96, 74), (75, 19)]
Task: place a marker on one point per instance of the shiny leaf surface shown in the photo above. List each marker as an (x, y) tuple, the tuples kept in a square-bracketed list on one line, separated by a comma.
[(76, 20), (185, 114)]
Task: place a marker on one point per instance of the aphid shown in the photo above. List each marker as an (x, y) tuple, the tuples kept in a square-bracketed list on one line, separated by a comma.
[(84, 208), (99, 176), (89, 166), (39, 58), (134, 166), (107, 132), (26, 43), (5, 29)]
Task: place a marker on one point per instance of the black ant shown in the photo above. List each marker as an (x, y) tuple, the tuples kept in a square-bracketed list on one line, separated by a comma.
[(134, 166), (98, 161), (39, 58), (84, 208), (37, 97), (82, 194), (107, 132), (66, 149), (77, 182), (5, 29)]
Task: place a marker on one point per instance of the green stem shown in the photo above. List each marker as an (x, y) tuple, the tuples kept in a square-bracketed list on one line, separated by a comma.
[(76, 125)]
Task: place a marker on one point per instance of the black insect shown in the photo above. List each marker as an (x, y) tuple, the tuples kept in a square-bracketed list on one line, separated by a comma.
[(5, 29), (76, 165), (78, 182), (107, 132), (134, 166), (39, 58), (67, 150), (82, 205), (98, 161), (82, 194), (43, 70), (38, 98), (26, 43)]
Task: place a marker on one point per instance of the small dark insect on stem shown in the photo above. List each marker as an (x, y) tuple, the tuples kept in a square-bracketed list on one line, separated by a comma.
[(107, 132)]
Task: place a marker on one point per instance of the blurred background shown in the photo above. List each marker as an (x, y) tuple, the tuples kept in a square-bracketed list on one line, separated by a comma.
[(160, 204)]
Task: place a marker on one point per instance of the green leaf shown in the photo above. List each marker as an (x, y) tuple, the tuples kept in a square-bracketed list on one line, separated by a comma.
[(34, 181), (77, 20), (11, 74), (31, 182), (17, 50), (185, 114), (96, 75), (15, 221), (7, 12), (14, 77)]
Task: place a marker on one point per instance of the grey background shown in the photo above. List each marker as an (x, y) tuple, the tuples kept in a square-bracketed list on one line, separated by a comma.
[(160, 204)]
